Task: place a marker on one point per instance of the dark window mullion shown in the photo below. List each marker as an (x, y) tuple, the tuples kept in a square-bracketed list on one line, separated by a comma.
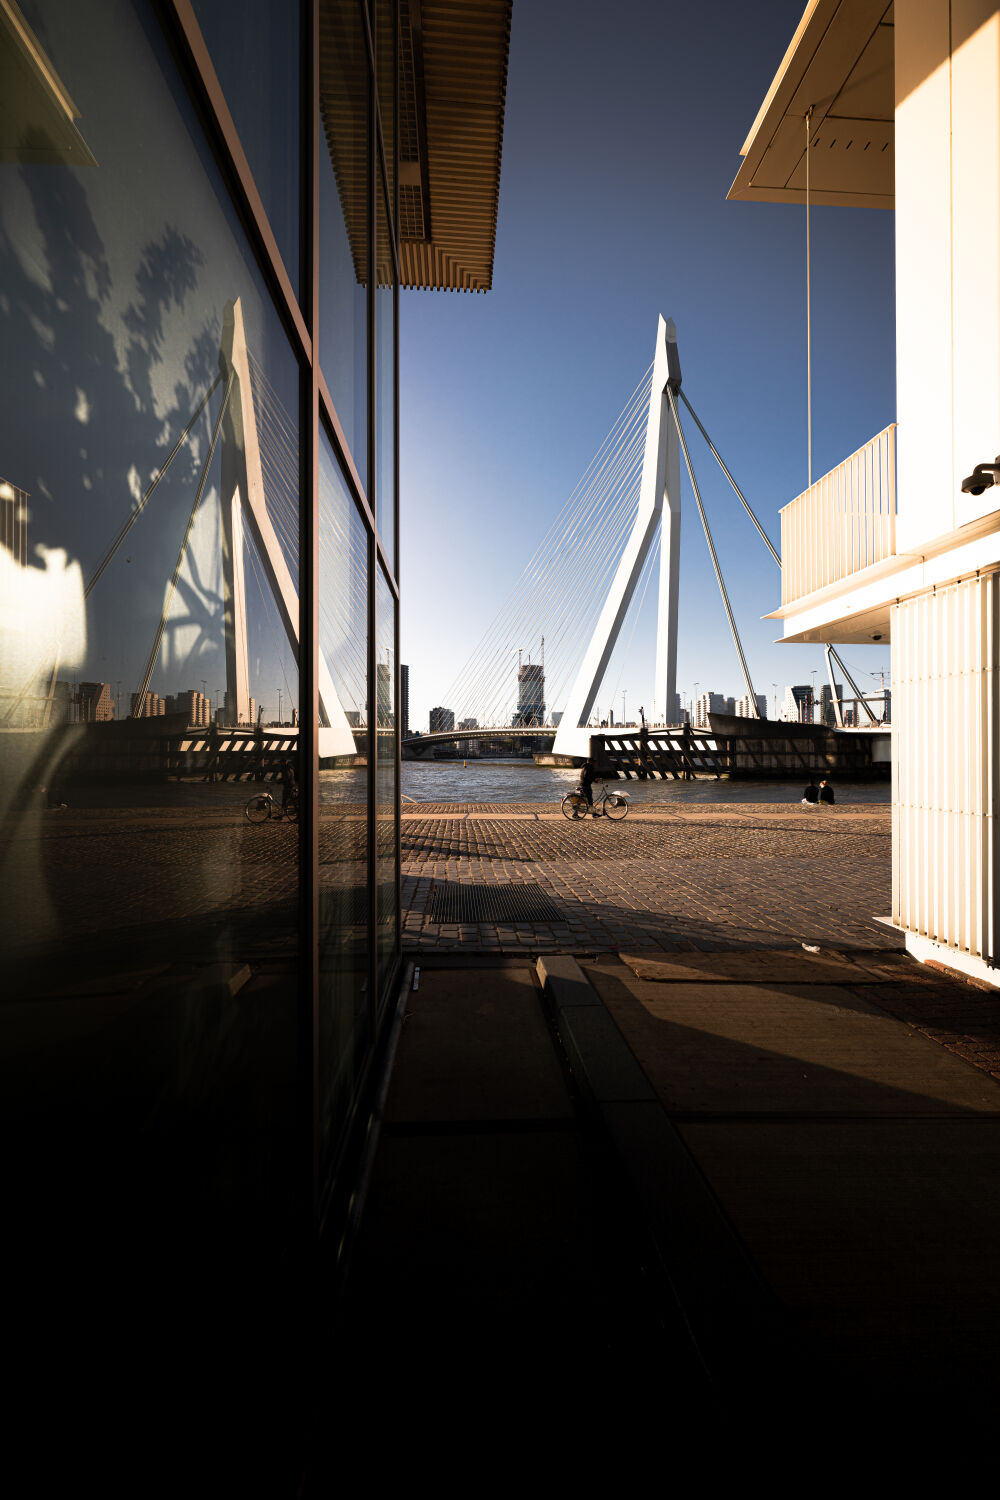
[(309, 624), (373, 548)]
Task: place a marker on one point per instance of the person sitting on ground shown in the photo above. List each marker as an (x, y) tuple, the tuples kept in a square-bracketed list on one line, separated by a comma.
[(587, 779), (826, 791), (811, 793)]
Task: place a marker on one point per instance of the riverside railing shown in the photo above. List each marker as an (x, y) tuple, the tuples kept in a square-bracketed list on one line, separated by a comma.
[(844, 522)]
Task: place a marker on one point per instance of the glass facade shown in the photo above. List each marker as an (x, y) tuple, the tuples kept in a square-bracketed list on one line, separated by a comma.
[(199, 864)]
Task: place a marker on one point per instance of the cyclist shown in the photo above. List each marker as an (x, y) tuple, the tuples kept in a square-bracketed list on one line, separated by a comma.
[(289, 786), (587, 779)]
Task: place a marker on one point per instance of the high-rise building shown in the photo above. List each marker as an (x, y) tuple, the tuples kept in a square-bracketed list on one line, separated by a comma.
[(798, 705), (94, 703), (827, 711), (441, 720), (530, 694), (383, 694), (60, 708)]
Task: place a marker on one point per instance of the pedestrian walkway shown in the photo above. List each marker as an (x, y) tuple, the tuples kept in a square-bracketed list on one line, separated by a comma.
[(706, 1178), (498, 1251), (707, 876)]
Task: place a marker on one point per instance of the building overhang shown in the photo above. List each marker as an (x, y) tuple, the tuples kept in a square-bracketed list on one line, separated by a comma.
[(856, 610), (839, 63), (452, 93)]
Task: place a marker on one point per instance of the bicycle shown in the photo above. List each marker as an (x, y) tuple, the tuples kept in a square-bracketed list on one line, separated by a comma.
[(263, 806), (612, 805)]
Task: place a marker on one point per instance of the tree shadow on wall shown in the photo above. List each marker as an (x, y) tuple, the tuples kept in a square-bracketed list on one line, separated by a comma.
[(99, 394)]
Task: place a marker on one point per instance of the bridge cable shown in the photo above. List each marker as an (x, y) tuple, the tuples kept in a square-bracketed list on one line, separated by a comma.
[(556, 548), (829, 648), (711, 547), (592, 518), (636, 611), (140, 507), (251, 551), (743, 500), (563, 561), (851, 683), (138, 711)]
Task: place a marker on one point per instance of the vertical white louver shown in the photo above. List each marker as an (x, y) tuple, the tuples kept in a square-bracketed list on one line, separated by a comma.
[(945, 772)]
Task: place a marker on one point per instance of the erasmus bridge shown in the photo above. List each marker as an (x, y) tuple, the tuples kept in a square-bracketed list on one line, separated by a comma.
[(589, 578)]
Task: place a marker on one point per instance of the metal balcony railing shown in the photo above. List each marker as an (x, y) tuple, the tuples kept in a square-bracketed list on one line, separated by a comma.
[(844, 522)]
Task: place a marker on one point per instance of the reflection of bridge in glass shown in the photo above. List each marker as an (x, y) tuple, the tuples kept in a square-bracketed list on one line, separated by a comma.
[(259, 490)]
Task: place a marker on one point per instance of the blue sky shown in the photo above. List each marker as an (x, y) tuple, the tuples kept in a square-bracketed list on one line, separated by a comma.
[(622, 138)]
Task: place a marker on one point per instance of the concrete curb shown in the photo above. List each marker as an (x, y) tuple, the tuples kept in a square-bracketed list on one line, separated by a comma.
[(737, 1326)]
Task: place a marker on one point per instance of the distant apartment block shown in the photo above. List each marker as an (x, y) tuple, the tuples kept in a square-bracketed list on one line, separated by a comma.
[(153, 706), (196, 705), (711, 703), (745, 706)]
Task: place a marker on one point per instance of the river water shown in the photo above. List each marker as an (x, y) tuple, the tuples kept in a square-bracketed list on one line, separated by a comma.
[(523, 781)]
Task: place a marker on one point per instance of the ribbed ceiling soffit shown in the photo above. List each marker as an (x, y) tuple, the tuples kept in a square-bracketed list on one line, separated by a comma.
[(453, 85)]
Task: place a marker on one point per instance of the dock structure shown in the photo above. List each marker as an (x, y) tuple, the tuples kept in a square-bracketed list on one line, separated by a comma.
[(742, 748)]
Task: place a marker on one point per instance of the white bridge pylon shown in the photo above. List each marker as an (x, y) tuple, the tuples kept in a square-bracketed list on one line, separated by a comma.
[(243, 495), (661, 480)]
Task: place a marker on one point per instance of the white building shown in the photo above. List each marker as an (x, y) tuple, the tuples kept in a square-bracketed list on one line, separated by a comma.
[(901, 542), (745, 708), (711, 703)]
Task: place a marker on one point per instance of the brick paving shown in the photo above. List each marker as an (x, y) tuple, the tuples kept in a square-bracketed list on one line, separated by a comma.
[(708, 877)]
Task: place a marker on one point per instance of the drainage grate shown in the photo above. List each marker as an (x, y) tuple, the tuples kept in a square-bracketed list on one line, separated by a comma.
[(492, 903)]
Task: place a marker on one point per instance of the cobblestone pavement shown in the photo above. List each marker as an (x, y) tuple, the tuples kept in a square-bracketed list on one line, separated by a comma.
[(707, 876), (710, 877)]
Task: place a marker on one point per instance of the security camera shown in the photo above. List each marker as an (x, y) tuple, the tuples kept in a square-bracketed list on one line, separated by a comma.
[(982, 477), (876, 637)]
